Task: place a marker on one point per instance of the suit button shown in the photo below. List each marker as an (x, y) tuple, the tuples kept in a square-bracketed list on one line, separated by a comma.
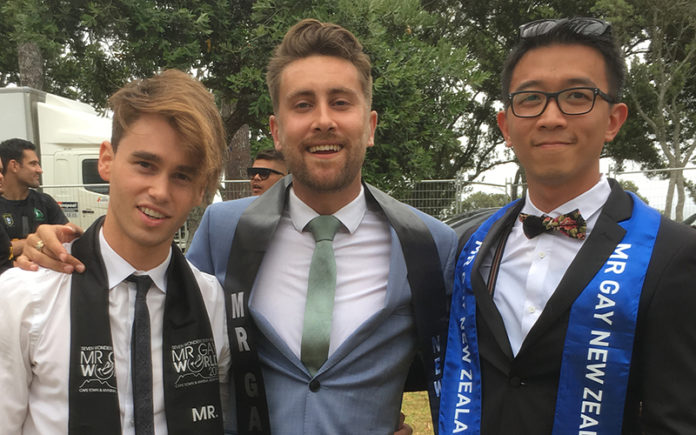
[(516, 381), (314, 386)]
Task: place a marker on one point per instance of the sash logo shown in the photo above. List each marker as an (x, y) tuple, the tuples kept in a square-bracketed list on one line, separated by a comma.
[(97, 369), (39, 215), (206, 412), (195, 362)]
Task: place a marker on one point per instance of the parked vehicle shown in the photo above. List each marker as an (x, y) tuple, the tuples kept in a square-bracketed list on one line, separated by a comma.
[(67, 134)]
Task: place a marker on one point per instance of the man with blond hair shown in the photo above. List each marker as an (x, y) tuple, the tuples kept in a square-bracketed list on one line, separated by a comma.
[(136, 343)]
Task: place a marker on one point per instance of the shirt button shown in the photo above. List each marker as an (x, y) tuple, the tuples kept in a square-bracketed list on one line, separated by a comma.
[(531, 309), (542, 255), (314, 385)]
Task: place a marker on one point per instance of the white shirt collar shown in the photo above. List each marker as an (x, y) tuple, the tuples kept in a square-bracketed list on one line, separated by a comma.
[(118, 269), (350, 215), (588, 202)]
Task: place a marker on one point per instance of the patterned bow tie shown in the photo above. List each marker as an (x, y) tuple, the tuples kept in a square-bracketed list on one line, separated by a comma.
[(572, 224)]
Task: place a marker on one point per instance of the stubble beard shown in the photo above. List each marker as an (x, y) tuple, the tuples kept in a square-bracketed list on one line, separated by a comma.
[(335, 181)]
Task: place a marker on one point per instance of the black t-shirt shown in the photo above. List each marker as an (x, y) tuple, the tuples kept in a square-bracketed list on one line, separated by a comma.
[(21, 218), (5, 250)]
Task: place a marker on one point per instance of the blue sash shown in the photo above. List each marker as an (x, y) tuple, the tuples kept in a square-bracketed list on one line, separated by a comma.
[(460, 399), (601, 329), (599, 341)]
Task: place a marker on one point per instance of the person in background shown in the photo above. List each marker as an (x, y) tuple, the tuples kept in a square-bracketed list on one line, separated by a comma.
[(136, 344), (573, 307), (22, 208), (6, 255), (268, 167)]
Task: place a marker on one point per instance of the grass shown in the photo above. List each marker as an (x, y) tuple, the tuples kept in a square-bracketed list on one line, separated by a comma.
[(415, 407)]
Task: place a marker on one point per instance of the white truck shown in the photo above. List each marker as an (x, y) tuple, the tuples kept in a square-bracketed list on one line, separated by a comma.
[(67, 135)]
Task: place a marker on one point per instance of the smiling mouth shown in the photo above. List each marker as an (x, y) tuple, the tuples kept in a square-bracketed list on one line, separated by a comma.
[(329, 148), (151, 213)]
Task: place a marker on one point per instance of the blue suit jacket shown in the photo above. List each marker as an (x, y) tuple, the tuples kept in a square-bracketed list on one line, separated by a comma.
[(358, 390)]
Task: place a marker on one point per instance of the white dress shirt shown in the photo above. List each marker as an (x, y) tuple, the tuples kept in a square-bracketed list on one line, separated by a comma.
[(362, 248), (531, 269), (35, 342)]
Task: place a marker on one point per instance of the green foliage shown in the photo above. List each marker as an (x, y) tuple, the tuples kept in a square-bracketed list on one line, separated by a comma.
[(421, 87), (436, 66), (632, 187), (479, 200)]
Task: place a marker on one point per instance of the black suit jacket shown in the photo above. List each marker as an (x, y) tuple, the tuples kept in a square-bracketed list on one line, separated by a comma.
[(519, 393)]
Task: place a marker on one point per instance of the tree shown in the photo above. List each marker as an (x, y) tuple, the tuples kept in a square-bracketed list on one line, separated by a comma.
[(478, 200), (632, 187), (662, 90), (421, 81)]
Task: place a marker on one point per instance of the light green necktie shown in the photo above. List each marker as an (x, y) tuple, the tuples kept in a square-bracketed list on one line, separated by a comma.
[(316, 330)]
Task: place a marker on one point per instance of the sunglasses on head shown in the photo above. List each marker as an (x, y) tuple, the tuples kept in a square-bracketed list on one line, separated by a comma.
[(580, 25), (263, 173)]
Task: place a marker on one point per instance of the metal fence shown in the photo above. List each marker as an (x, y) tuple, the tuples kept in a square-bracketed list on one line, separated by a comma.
[(653, 184), (439, 198)]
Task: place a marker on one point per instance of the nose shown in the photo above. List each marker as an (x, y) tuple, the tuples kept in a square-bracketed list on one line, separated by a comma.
[(39, 169), (552, 117), (159, 187), (323, 120), (257, 177)]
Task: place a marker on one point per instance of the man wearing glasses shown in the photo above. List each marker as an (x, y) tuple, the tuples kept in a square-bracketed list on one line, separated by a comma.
[(268, 167), (573, 308)]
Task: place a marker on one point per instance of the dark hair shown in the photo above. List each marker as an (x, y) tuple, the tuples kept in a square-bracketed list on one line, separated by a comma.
[(190, 109), (270, 154), (311, 37), (13, 149), (569, 31)]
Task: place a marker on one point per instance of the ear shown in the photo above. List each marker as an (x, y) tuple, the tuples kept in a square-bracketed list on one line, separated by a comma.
[(106, 158), (273, 122), (13, 166), (502, 125), (617, 116), (373, 127)]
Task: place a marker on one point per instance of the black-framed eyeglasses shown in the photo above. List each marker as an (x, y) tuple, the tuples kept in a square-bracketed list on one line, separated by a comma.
[(580, 25), (571, 101), (263, 173)]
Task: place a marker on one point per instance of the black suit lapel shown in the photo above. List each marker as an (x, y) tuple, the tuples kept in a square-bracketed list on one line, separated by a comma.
[(251, 238), (254, 232), (606, 234), (488, 312)]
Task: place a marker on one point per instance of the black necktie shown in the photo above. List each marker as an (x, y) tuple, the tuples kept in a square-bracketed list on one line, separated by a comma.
[(572, 224), (141, 359)]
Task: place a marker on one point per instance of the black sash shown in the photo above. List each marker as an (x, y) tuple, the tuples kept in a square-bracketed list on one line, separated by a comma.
[(190, 370), (429, 299)]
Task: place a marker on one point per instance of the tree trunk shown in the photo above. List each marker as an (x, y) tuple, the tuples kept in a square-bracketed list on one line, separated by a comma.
[(239, 159), (670, 195), (679, 209), (30, 65)]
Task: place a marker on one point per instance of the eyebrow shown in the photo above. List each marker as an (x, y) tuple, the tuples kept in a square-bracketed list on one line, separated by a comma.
[(576, 81), (144, 155), (311, 93)]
